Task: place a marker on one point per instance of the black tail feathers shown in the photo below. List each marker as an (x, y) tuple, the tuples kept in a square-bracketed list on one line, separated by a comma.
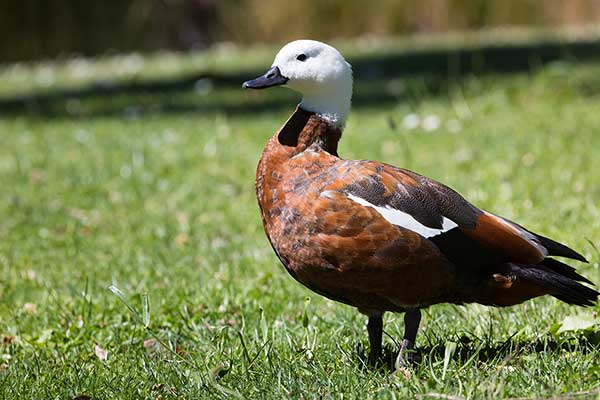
[(560, 279), (558, 249), (565, 270)]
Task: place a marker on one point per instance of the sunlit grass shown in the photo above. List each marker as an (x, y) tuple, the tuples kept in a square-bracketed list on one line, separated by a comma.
[(162, 203)]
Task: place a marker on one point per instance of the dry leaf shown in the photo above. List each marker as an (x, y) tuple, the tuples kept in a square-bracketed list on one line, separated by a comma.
[(181, 239), (181, 351), (36, 177), (150, 343), (405, 372), (31, 308), (572, 323), (182, 217), (101, 353)]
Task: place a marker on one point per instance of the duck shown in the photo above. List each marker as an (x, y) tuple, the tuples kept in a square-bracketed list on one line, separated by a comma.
[(382, 238)]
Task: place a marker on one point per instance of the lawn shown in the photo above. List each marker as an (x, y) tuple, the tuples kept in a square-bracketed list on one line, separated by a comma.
[(134, 264)]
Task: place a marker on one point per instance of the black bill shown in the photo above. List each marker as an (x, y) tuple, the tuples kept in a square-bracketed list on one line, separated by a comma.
[(271, 78)]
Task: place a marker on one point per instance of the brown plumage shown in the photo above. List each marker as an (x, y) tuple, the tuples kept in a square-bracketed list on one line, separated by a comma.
[(332, 224), (350, 253)]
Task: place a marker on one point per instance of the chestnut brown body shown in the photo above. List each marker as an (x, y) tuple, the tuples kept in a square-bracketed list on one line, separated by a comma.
[(382, 238), (350, 253)]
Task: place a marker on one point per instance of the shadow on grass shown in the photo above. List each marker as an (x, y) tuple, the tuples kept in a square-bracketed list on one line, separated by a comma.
[(477, 351), (437, 68)]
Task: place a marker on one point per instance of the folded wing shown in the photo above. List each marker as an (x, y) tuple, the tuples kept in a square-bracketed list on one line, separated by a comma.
[(431, 209)]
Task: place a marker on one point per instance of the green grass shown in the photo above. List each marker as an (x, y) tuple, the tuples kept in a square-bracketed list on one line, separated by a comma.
[(158, 200)]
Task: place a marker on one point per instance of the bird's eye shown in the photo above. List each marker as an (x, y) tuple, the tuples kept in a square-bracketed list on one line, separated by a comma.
[(301, 57)]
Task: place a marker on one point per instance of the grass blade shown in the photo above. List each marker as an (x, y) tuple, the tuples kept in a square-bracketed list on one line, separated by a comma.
[(448, 353), (145, 310)]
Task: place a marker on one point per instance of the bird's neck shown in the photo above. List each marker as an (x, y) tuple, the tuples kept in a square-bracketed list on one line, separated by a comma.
[(332, 106), (303, 130)]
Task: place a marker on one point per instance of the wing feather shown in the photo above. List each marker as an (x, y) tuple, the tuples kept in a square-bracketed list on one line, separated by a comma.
[(432, 204)]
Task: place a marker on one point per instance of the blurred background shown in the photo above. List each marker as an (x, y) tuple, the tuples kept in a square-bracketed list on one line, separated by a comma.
[(35, 29)]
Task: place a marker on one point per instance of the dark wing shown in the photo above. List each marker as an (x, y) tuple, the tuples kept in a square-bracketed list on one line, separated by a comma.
[(435, 209)]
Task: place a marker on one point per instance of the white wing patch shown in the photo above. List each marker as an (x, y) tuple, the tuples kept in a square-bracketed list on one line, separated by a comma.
[(405, 220)]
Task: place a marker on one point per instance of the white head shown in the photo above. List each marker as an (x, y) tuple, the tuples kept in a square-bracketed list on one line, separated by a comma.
[(316, 70)]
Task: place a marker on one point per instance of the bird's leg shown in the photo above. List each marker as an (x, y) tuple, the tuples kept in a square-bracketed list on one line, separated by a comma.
[(412, 318), (375, 329)]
